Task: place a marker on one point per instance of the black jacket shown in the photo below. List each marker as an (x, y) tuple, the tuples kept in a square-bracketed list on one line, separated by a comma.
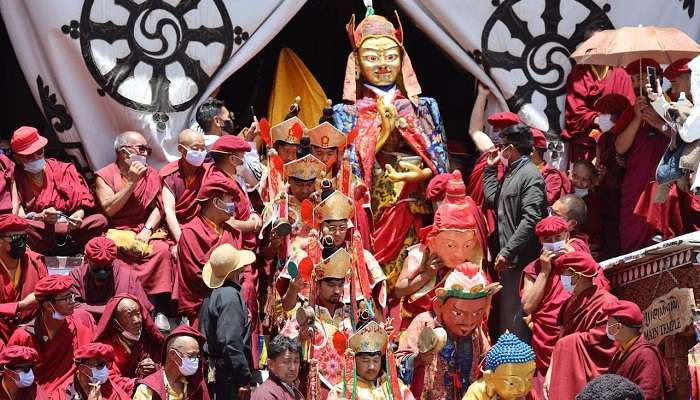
[(520, 201), (223, 319)]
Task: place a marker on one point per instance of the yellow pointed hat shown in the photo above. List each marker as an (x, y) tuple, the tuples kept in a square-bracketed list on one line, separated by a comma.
[(335, 207), (286, 131), (326, 136), (306, 168), (336, 266), (372, 338)]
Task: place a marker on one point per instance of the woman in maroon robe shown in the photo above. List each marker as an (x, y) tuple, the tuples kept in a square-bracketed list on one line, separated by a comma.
[(128, 353)]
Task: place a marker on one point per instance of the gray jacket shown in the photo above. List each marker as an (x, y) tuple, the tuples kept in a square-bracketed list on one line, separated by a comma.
[(519, 201)]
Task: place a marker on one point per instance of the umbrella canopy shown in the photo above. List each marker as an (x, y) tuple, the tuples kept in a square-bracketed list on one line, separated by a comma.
[(620, 47)]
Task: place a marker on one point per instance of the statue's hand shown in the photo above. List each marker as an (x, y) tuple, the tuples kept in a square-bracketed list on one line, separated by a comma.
[(413, 174)]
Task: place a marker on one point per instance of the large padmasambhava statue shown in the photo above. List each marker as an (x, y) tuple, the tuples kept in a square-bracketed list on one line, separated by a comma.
[(400, 141)]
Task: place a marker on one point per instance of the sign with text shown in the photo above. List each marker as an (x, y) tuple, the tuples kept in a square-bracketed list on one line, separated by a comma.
[(669, 314)]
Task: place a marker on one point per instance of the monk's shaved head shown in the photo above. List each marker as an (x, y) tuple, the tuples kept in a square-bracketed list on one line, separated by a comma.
[(575, 208), (126, 304), (189, 137), (183, 343), (128, 138)]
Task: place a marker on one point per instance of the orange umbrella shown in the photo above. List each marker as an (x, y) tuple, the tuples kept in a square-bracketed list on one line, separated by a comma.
[(620, 47)]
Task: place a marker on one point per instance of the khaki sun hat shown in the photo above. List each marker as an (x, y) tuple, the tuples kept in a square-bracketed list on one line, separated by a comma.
[(224, 260)]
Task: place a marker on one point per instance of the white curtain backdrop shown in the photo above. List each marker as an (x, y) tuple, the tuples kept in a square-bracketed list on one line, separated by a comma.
[(99, 67)]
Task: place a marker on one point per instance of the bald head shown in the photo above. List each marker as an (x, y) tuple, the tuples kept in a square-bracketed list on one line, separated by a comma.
[(129, 317), (126, 304), (188, 137), (571, 208), (128, 138)]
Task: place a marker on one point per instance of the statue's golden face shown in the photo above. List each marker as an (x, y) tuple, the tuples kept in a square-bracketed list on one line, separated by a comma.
[(380, 61), (511, 381)]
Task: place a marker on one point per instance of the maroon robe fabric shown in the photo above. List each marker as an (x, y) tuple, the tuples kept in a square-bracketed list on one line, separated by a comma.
[(644, 365), (196, 386), (65, 190), (609, 189), (186, 204), (556, 182), (582, 90), (122, 371), (583, 350), (663, 218), (243, 208), (109, 391), (641, 160), (156, 270), (55, 364), (33, 392), (7, 172), (593, 226), (272, 389), (93, 298), (33, 268)]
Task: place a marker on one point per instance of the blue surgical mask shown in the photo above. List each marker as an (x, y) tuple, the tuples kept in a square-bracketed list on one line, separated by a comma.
[(24, 379), (228, 208), (99, 375), (554, 247), (566, 283), (57, 315), (34, 167), (189, 366), (137, 158), (580, 193)]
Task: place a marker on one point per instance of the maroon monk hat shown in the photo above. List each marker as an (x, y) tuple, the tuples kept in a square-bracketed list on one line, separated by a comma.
[(229, 144), (502, 120), (94, 350), (12, 223), (626, 312), (182, 330), (611, 103), (677, 68), (100, 250), (551, 226), (579, 262), (538, 138), (26, 140), (17, 355), (52, 285), (214, 185), (633, 68)]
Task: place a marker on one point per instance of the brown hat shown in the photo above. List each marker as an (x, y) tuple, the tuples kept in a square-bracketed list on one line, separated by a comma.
[(224, 260)]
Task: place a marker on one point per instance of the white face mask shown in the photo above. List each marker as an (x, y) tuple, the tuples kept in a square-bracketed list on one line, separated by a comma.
[(554, 247), (503, 159), (580, 193), (196, 157), (34, 167), (189, 365), (57, 315), (605, 122), (126, 333), (24, 379), (133, 157), (99, 375), (566, 283)]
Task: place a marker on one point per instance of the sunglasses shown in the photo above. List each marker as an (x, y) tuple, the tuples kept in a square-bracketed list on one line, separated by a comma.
[(142, 149)]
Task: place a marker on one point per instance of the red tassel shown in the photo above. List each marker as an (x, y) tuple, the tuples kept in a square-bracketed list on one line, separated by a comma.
[(264, 125), (306, 267), (361, 266), (277, 164), (352, 136), (393, 375), (307, 212)]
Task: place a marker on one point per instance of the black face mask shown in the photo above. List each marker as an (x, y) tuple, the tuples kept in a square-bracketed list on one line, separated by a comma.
[(100, 274), (228, 127), (18, 245)]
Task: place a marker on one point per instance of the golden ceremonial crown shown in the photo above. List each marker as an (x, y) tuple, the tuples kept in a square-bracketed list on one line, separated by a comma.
[(326, 136), (306, 168), (372, 338), (286, 132), (335, 207), (336, 266)]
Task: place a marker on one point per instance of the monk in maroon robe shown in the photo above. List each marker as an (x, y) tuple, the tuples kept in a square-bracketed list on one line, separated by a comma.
[(585, 84), (21, 270), (583, 350), (183, 343), (636, 359), (205, 232), (130, 330), (181, 181), (556, 182), (101, 276), (543, 295), (9, 203), (90, 380), (55, 333), (129, 192), (53, 197), (14, 361)]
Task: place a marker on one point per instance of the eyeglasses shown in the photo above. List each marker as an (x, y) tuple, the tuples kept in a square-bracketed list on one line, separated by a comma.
[(183, 355), (337, 229), (70, 298), (551, 212), (96, 364), (141, 148)]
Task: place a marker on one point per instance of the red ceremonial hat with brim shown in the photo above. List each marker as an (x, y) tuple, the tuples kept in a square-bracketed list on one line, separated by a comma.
[(100, 250), (26, 140), (12, 223), (675, 69), (230, 144), (216, 184), (52, 285), (502, 120), (579, 262), (538, 138), (626, 312), (94, 350), (634, 69), (17, 355), (611, 103), (551, 226)]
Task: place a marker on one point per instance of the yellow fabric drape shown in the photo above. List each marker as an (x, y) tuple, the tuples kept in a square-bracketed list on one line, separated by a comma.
[(293, 79)]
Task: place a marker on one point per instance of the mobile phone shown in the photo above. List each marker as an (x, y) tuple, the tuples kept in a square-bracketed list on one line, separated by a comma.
[(651, 76)]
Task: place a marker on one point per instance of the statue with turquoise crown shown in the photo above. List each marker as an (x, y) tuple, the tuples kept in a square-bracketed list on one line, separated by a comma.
[(400, 140)]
